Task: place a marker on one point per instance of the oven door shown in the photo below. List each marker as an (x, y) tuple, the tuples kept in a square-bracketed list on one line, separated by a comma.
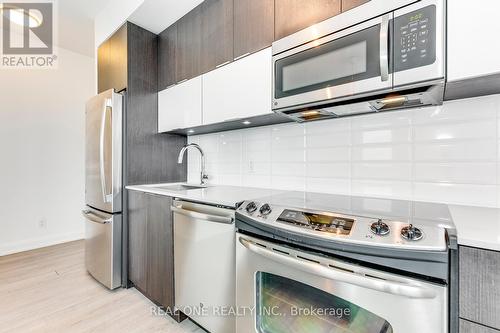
[(351, 62), (280, 289)]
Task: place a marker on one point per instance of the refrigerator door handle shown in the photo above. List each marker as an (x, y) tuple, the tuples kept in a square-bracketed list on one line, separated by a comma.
[(107, 106), (94, 218)]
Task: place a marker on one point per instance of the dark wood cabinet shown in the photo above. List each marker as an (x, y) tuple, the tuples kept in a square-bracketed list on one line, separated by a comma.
[(479, 280), (350, 4), (217, 33), (112, 62), (294, 15), (151, 247), (469, 327), (160, 267), (103, 64), (137, 242), (167, 45), (253, 26), (189, 40)]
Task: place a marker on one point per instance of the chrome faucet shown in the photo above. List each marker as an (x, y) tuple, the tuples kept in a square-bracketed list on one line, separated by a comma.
[(203, 174)]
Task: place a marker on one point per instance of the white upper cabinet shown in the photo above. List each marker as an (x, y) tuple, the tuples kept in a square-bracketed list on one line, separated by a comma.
[(180, 106), (239, 90), (472, 38)]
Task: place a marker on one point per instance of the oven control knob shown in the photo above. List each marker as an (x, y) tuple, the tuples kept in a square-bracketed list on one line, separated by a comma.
[(412, 233), (251, 207), (379, 228), (265, 209)]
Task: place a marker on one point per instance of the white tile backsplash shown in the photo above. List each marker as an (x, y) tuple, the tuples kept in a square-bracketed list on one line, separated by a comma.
[(445, 154)]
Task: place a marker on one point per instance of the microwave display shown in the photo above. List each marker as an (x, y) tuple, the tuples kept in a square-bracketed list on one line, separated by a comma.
[(415, 36)]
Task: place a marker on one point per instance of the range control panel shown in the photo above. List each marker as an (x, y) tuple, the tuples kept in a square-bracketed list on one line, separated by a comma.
[(415, 39), (329, 225), (324, 222)]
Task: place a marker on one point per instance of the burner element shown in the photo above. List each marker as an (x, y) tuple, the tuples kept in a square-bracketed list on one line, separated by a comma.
[(412, 233), (265, 209), (380, 228), (251, 207)]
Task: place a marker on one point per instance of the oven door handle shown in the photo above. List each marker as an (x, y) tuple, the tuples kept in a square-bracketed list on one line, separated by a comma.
[(384, 47), (391, 287)]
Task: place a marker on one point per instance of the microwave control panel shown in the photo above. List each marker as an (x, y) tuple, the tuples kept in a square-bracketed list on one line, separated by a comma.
[(415, 39)]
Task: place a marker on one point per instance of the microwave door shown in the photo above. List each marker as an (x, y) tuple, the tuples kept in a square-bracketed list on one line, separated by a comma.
[(352, 62), (103, 152)]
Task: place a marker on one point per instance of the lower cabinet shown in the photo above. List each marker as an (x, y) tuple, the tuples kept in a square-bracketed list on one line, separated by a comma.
[(479, 290), (468, 327), (151, 248)]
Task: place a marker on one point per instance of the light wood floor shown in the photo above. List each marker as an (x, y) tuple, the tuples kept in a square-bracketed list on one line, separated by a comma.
[(49, 290)]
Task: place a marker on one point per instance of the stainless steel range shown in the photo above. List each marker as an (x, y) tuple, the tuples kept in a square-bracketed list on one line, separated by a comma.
[(303, 269)]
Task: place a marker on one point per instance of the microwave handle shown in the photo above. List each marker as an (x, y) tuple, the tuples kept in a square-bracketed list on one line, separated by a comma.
[(384, 47)]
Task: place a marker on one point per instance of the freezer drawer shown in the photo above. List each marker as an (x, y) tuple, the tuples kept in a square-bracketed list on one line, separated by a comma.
[(103, 250)]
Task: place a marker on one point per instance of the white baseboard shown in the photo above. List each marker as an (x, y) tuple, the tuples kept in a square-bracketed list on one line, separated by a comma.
[(37, 243)]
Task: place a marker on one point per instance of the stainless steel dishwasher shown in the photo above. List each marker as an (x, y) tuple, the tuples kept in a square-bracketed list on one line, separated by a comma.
[(204, 259)]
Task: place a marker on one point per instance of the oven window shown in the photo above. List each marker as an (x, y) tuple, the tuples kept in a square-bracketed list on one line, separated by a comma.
[(285, 305), (351, 58)]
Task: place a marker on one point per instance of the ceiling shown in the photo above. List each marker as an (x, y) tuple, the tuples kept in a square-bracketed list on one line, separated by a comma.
[(157, 15), (83, 8)]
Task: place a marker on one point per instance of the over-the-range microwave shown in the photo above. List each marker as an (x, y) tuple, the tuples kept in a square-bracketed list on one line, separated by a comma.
[(382, 55)]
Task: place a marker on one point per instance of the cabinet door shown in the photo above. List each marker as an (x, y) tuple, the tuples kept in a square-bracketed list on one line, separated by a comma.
[(350, 4), (469, 327), (217, 38), (253, 26), (295, 15), (480, 286), (112, 62), (180, 106), (188, 56), (167, 43), (103, 67), (241, 89), (118, 52), (472, 51), (137, 240), (160, 268)]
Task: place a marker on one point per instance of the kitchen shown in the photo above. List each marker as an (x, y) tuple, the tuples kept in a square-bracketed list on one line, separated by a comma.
[(278, 166)]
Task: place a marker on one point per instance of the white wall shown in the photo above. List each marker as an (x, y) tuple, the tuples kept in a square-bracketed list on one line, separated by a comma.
[(442, 154), (42, 123)]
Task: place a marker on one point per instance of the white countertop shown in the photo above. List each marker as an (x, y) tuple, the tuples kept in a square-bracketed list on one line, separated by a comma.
[(475, 226), (221, 195)]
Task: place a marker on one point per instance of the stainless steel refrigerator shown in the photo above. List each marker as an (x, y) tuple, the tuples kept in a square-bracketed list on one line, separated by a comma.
[(103, 188)]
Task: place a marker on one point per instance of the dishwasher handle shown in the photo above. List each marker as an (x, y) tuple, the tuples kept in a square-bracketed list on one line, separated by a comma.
[(202, 216)]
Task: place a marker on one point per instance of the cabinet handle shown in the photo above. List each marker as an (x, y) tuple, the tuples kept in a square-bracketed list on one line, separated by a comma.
[(182, 81), (224, 63), (242, 56), (170, 86)]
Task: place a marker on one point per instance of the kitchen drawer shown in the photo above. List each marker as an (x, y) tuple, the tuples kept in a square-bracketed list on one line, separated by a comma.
[(468, 327), (480, 286)]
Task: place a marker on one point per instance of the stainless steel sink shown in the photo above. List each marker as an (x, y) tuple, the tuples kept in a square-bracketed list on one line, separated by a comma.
[(181, 187)]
